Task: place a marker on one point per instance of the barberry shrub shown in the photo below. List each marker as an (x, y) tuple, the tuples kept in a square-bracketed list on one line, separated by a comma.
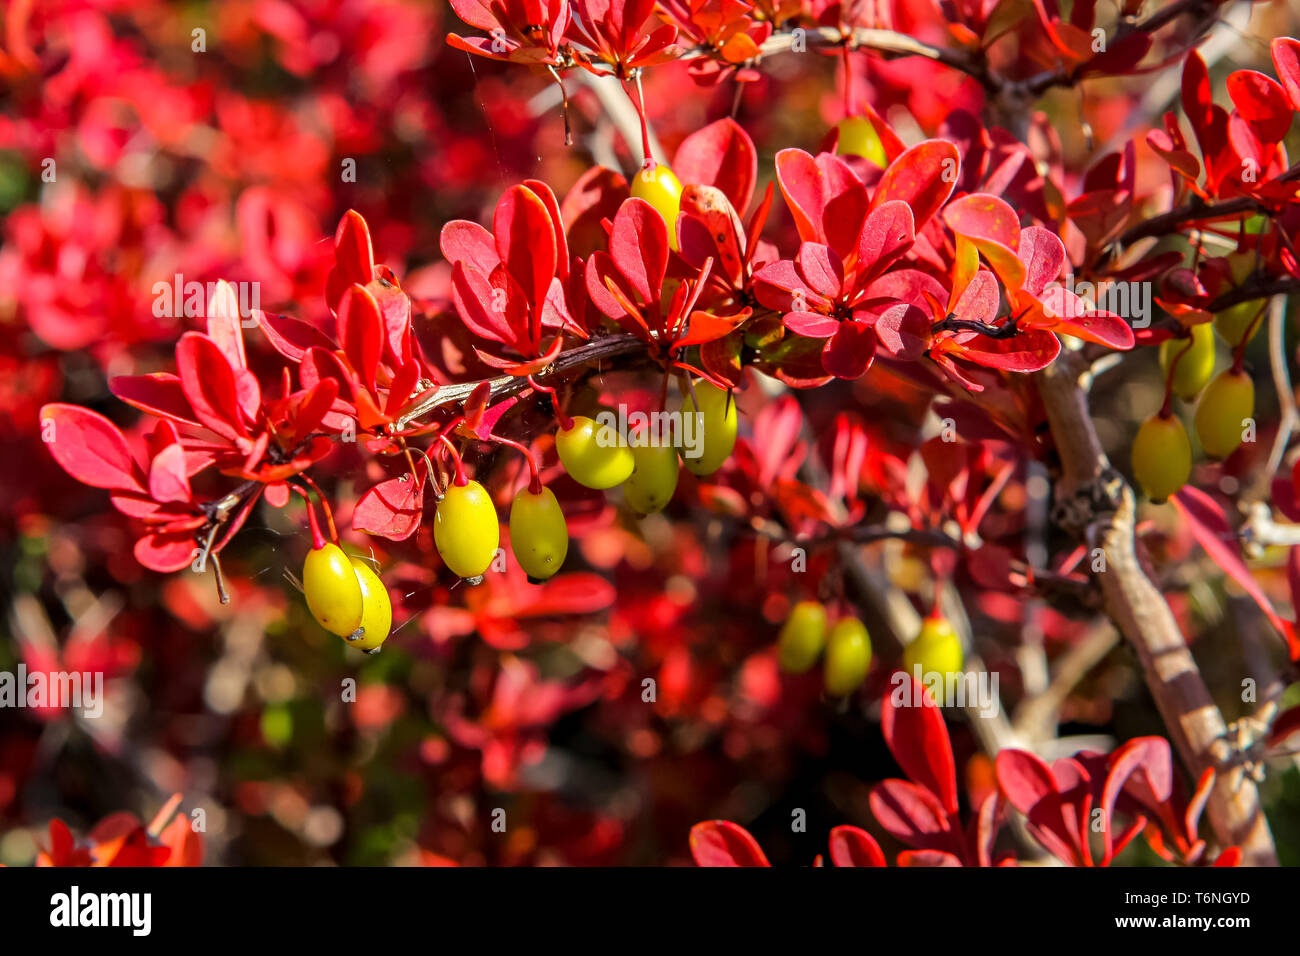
[(918, 382)]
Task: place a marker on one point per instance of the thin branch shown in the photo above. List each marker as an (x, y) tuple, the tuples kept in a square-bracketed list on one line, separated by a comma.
[(855, 534), (1196, 210), (1277, 361), (882, 41), (1255, 289), (1166, 14), (950, 324), (1037, 716), (607, 346)]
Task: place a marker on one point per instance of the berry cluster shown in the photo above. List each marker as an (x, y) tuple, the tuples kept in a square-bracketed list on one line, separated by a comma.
[(1162, 450), (805, 635)]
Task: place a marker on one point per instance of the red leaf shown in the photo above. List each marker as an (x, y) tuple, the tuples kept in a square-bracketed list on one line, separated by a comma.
[(1043, 255), (479, 305), (525, 238), (828, 202), (401, 387), (485, 420), (904, 331), (779, 423), (821, 269), (722, 843), (166, 552), (168, 479), (981, 216), (1150, 759), (528, 367), (464, 241), (1027, 351), (547, 197), (312, 408), (394, 508), (1286, 60), (710, 229), (1262, 102), (354, 256), (638, 245), (209, 383), (705, 327), (90, 448), (812, 324), (851, 846), (911, 813), (361, 333), (224, 324), (1180, 160), (1197, 95), (292, 337), (475, 405), (722, 155), (796, 361), (1030, 786), (781, 286), (319, 365), (596, 196), (158, 393), (980, 300), (918, 739), (923, 177), (477, 13), (1074, 316), (1100, 214), (1211, 529), (849, 352), (887, 234)]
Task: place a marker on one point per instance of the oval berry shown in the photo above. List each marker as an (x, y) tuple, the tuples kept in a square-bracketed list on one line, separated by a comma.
[(653, 480), (1235, 321), (1196, 364), (594, 455), (848, 657), (333, 593), (936, 650), (1221, 415), (1162, 456), (859, 138), (715, 431), (465, 530), (539, 536), (802, 637), (660, 187), (376, 607)]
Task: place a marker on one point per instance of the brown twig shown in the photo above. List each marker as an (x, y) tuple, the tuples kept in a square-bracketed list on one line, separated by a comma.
[(606, 346), (1095, 502)]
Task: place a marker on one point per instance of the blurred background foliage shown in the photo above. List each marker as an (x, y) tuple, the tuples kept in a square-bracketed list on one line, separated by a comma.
[(227, 163)]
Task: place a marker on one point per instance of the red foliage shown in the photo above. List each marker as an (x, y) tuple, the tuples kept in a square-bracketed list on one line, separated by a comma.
[(882, 330)]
